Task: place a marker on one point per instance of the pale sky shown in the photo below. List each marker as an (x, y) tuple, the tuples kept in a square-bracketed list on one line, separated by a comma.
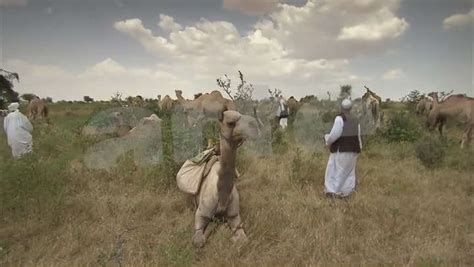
[(70, 48)]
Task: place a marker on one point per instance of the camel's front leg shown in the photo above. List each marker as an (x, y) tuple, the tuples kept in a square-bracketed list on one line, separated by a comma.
[(233, 218), (200, 223), (466, 139)]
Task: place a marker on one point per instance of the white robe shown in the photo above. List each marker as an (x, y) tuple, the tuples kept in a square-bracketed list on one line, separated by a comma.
[(340, 176), (281, 107), (18, 129)]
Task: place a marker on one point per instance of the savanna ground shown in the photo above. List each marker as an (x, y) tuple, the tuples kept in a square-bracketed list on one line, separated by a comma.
[(55, 211)]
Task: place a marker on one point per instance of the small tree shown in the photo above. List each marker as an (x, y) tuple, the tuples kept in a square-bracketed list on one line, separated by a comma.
[(413, 97), (116, 98), (88, 99), (7, 94), (48, 99), (274, 94), (243, 92), (346, 91), (242, 95), (28, 97)]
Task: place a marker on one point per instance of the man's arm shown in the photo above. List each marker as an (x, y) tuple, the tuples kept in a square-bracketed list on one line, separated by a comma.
[(5, 123), (336, 131)]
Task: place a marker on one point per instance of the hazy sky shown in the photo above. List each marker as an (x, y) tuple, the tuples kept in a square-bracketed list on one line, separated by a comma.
[(70, 48)]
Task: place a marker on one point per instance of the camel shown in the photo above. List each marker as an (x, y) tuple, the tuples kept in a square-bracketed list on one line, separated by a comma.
[(425, 104), (459, 107), (143, 125), (179, 96), (166, 104), (196, 96), (144, 140), (371, 106), (218, 194), (37, 108), (137, 101), (293, 106), (117, 126), (208, 105)]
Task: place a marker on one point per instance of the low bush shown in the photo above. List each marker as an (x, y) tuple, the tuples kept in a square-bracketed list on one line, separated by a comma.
[(403, 127), (431, 152)]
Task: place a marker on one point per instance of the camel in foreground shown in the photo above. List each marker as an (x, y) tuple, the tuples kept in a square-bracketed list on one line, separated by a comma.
[(37, 109), (218, 194), (459, 107)]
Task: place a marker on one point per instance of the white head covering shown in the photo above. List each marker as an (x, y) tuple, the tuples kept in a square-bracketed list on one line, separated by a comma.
[(13, 106), (346, 104)]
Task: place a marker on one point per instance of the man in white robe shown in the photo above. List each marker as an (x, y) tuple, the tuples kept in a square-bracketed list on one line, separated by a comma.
[(18, 129), (344, 142)]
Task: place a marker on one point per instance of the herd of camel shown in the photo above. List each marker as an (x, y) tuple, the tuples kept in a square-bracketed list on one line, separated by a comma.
[(218, 195), (437, 111), (454, 107)]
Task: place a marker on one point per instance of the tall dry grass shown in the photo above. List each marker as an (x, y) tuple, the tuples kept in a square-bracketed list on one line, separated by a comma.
[(57, 212)]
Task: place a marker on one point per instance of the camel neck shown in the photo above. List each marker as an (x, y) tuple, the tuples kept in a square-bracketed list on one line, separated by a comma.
[(228, 154), (226, 173)]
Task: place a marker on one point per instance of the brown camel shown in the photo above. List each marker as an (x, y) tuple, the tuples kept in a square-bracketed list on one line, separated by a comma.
[(209, 105), (38, 109), (293, 106), (166, 104), (424, 105), (218, 194), (371, 106), (137, 101), (179, 96), (117, 126), (459, 107), (196, 96)]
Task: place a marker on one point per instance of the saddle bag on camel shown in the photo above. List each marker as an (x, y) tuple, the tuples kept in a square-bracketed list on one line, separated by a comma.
[(191, 174)]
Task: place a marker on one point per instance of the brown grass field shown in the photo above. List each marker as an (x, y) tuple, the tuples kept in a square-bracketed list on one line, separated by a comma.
[(54, 211)]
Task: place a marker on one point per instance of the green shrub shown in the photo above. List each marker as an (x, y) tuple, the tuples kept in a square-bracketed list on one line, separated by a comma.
[(402, 127), (305, 167), (329, 116), (431, 152)]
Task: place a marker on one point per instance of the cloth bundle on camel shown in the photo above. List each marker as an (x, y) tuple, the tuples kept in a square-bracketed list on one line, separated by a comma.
[(192, 172)]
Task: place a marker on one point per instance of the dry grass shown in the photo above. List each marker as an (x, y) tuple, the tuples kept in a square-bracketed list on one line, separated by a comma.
[(402, 214)]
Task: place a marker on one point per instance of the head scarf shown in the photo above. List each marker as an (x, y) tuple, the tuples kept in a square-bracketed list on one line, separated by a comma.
[(346, 104), (13, 107)]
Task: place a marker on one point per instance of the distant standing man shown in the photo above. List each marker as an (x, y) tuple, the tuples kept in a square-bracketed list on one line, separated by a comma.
[(344, 143), (18, 129), (283, 112)]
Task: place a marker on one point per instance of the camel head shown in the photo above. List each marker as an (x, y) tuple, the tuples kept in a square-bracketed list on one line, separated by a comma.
[(196, 96), (434, 96), (178, 93), (236, 127)]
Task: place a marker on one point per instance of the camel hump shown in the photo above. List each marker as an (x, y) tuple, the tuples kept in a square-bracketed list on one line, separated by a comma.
[(216, 93)]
